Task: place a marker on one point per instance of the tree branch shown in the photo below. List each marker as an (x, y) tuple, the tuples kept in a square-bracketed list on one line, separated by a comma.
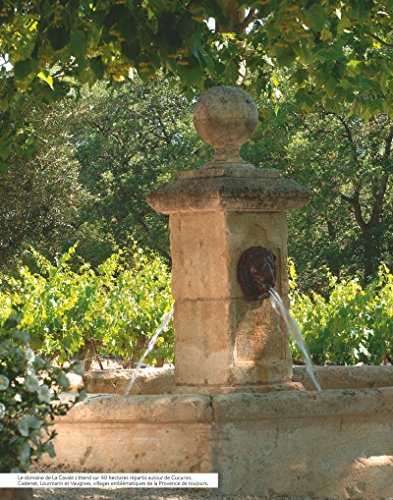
[(381, 190), (388, 144), (378, 39), (331, 229), (354, 202), (167, 136), (251, 16), (348, 133)]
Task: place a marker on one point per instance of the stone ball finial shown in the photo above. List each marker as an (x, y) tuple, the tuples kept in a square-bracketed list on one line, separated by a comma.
[(225, 117)]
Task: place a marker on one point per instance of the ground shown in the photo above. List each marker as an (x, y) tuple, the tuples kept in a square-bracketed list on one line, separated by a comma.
[(142, 494)]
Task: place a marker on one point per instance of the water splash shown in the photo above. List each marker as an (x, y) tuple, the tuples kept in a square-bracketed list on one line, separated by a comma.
[(294, 331), (152, 342)]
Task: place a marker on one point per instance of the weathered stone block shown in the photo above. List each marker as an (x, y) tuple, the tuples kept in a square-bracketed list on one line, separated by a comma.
[(229, 342), (115, 381), (199, 255), (333, 444), (147, 409), (132, 447), (203, 347), (250, 229)]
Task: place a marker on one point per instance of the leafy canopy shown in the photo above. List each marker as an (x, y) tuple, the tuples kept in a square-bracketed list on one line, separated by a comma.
[(342, 48), (95, 160), (347, 163), (337, 50)]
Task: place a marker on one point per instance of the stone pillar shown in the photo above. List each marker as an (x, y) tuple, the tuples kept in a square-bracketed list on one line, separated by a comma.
[(224, 341)]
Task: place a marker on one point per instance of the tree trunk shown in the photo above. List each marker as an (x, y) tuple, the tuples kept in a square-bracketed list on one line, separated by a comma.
[(371, 250)]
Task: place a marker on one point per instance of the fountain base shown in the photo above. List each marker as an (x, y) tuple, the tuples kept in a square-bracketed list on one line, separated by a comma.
[(223, 389), (335, 443)]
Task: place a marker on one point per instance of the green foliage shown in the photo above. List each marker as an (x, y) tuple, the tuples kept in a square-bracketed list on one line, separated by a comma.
[(115, 309), (40, 197), (342, 50), (346, 162), (353, 324), (338, 45), (127, 140), (95, 161), (29, 400)]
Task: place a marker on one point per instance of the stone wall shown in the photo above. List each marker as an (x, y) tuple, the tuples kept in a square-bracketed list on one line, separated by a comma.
[(162, 380), (337, 443)]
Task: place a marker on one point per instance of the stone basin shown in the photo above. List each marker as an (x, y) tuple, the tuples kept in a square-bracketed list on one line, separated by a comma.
[(336, 443), (162, 380)]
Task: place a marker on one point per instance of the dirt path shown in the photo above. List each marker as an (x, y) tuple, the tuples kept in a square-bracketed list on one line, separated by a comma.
[(142, 494), (120, 494)]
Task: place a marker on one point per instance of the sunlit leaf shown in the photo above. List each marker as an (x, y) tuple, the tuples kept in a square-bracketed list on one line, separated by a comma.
[(45, 77)]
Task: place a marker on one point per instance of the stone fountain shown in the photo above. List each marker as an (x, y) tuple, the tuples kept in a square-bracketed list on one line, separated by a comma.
[(225, 340), (234, 407)]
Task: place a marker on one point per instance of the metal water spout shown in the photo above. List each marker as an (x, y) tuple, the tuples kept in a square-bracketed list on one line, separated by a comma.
[(229, 247), (257, 273)]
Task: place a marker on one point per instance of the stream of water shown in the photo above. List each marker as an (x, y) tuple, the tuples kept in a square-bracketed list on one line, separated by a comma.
[(291, 325), (152, 342), (294, 331)]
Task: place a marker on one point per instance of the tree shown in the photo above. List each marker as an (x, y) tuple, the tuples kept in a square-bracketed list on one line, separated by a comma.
[(127, 139), (349, 166), (347, 163), (106, 150), (343, 49), (39, 196), (95, 160)]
